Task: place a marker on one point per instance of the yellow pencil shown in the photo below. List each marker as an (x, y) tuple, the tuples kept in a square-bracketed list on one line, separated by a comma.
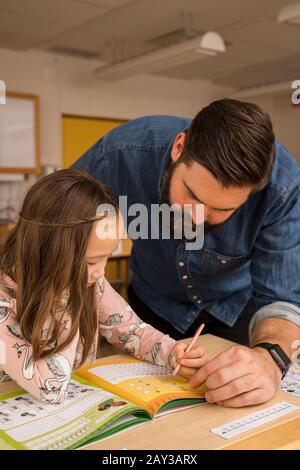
[(196, 336)]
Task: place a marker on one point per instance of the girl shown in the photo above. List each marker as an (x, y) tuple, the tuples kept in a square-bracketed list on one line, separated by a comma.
[(54, 298)]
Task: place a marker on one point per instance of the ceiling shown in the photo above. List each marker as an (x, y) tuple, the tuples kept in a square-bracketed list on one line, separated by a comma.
[(259, 50)]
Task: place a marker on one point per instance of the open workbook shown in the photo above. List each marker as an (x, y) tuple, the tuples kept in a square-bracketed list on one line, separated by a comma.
[(104, 398)]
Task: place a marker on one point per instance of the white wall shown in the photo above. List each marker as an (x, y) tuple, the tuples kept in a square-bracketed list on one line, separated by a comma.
[(285, 117), (66, 85), (287, 122)]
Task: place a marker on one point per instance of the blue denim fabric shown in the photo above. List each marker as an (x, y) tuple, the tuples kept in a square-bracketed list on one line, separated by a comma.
[(255, 254)]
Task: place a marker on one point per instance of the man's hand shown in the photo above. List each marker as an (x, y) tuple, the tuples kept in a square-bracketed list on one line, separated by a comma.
[(190, 362), (239, 377)]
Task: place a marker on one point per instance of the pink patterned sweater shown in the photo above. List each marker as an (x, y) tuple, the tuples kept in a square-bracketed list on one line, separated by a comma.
[(48, 378)]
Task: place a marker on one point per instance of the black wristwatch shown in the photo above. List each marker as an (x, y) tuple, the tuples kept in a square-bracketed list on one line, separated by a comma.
[(279, 356)]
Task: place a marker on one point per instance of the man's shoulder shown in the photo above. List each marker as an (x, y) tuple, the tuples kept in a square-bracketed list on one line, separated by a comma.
[(286, 172), (145, 132)]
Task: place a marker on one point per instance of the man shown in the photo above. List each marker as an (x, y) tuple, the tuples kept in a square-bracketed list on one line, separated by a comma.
[(246, 275)]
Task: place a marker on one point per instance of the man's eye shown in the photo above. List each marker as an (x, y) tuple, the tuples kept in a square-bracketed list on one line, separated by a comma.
[(192, 196)]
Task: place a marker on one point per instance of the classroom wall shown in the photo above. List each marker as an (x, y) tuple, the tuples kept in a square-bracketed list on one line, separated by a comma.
[(285, 117), (287, 121), (66, 86)]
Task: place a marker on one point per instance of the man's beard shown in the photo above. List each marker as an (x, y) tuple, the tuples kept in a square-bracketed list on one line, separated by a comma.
[(166, 199)]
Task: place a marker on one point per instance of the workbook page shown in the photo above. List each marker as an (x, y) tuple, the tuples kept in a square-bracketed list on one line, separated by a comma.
[(143, 383), (26, 422), (291, 382)]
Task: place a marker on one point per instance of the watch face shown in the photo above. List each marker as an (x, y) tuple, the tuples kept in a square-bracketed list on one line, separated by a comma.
[(281, 359), (279, 356)]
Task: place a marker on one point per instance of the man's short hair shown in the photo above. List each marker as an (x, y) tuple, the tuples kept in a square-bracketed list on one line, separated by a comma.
[(234, 140)]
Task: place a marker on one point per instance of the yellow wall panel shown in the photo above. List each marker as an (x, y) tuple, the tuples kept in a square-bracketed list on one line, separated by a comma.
[(80, 133)]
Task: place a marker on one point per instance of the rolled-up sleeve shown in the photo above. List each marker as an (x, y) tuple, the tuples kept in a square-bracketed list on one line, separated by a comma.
[(282, 310)]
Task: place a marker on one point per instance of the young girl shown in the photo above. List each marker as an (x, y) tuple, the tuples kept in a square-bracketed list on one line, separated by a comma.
[(54, 298)]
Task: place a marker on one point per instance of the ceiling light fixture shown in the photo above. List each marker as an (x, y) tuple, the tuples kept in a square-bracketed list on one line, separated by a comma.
[(290, 14), (209, 44)]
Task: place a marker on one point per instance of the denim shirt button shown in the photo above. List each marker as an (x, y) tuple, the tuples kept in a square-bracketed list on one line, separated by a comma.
[(195, 297), (189, 286), (181, 263), (184, 277), (199, 301)]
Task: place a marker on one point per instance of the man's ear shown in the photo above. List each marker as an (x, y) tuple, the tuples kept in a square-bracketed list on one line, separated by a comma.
[(177, 146)]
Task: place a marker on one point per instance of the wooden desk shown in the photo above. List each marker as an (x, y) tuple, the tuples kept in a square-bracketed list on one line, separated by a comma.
[(190, 429)]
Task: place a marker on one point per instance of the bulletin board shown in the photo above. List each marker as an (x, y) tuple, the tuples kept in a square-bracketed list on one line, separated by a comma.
[(19, 134)]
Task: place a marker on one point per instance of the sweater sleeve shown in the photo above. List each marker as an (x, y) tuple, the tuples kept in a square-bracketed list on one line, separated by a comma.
[(124, 329), (47, 378)]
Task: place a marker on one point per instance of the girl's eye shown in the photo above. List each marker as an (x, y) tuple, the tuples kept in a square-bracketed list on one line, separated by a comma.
[(92, 264)]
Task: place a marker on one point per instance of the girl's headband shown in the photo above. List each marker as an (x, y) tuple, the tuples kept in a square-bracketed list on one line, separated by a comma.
[(71, 223)]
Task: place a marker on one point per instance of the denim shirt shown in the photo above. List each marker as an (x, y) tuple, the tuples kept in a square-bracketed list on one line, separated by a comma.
[(255, 254)]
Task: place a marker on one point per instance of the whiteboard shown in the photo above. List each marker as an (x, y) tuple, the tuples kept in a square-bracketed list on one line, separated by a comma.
[(19, 137)]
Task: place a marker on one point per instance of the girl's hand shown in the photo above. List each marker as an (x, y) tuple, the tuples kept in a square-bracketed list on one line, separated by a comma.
[(190, 362)]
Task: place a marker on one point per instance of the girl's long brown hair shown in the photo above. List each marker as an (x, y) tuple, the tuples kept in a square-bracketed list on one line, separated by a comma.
[(45, 254)]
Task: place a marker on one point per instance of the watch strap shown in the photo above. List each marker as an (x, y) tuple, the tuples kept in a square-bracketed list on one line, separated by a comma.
[(277, 353)]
